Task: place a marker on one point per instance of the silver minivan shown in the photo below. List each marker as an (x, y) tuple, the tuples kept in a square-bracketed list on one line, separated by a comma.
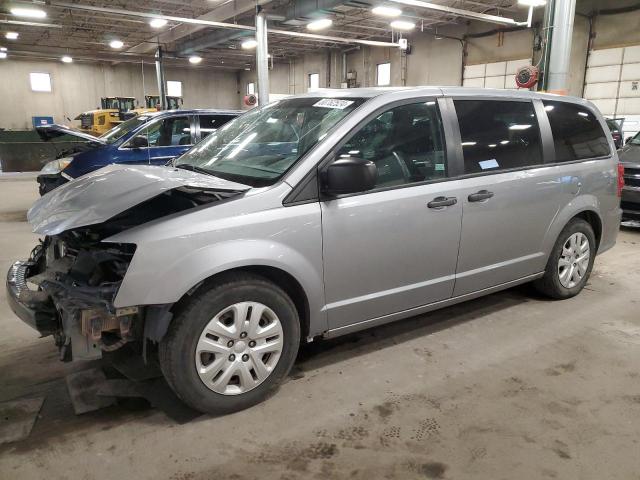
[(316, 216)]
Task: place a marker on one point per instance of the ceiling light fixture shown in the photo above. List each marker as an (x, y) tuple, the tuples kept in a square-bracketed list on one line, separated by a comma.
[(319, 24), (249, 44), (67, 59), (116, 44), (158, 22), (3, 54), (532, 3), (195, 59), (11, 35), (384, 11), (3, 49), (28, 12), (402, 25)]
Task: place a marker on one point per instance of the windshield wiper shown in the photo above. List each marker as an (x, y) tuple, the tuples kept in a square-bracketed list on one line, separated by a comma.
[(193, 168)]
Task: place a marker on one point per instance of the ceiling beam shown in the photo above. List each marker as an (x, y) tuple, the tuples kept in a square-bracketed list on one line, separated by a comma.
[(461, 13)]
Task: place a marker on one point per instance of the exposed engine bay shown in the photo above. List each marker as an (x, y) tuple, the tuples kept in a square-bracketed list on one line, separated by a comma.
[(68, 286)]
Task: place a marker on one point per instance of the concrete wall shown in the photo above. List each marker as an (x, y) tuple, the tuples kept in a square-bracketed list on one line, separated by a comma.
[(78, 87)]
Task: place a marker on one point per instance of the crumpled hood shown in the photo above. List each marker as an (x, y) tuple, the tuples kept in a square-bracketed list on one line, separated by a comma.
[(102, 194)]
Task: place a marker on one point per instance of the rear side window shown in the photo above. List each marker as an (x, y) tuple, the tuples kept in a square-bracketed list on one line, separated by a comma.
[(210, 123), (498, 135), (577, 134)]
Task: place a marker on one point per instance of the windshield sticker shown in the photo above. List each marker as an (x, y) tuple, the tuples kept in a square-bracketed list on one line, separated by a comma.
[(333, 103), (493, 163)]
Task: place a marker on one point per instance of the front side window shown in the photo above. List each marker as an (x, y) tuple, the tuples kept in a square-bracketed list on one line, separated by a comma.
[(577, 133), (257, 148), (172, 131), (498, 135), (406, 143)]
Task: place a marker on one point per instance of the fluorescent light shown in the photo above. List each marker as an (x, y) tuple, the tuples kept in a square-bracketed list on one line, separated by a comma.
[(195, 59), (3, 49), (28, 12), (492, 145), (468, 144), (504, 142), (3, 54), (249, 44), (11, 35), (548, 108), (116, 44), (319, 24), (532, 3), (519, 127), (402, 25), (583, 114), (386, 11), (158, 22), (66, 59)]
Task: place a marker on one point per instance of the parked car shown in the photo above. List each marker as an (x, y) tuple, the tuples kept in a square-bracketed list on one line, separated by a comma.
[(630, 158), (149, 139), (316, 216)]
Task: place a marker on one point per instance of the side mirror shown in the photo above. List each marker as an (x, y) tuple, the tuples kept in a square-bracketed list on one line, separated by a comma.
[(350, 175), (139, 141)]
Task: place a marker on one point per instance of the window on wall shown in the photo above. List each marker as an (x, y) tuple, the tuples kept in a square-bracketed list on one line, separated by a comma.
[(251, 88), (40, 82), (406, 143), (174, 88), (498, 135), (577, 134), (383, 74), (314, 81)]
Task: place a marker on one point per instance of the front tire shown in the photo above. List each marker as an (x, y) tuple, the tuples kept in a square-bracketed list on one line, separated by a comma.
[(570, 262), (231, 345)]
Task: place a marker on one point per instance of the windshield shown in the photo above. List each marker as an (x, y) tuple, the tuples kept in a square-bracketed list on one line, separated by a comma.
[(122, 129), (257, 148)]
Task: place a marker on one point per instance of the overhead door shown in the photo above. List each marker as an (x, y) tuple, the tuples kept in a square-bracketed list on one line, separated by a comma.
[(493, 75), (613, 82)]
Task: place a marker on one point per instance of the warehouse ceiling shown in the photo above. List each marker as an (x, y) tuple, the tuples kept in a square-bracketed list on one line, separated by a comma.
[(68, 29)]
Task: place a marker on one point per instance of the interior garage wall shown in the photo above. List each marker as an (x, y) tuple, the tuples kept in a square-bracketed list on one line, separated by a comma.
[(79, 86)]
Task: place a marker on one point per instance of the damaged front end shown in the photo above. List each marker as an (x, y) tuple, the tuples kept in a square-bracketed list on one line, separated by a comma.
[(67, 288)]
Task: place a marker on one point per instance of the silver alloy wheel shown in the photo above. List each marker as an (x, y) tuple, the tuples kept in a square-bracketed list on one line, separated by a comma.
[(239, 348), (574, 260)]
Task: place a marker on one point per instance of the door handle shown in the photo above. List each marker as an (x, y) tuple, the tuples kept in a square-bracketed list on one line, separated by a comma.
[(440, 202), (479, 196)]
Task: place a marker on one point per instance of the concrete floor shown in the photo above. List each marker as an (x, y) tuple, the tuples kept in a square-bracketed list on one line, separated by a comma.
[(511, 386)]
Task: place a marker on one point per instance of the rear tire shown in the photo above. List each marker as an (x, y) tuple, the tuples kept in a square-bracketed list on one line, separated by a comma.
[(231, 345), (567, 270)]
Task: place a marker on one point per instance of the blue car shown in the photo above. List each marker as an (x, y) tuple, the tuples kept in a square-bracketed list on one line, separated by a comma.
[(148, 139)]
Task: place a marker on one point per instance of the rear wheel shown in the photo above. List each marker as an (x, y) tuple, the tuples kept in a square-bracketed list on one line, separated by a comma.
[(570, 262), (232, 345)]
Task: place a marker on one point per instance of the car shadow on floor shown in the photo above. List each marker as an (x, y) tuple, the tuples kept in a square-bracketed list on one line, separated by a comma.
[(57, 418), (324, 352)]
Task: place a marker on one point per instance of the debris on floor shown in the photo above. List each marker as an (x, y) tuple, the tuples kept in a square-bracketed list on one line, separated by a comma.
[(17, 418)]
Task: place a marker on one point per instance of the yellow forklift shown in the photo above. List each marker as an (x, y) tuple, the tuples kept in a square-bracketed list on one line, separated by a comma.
[(112, 111)]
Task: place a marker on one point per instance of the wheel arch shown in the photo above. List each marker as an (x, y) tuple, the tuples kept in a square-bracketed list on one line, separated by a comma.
[(283, 279)]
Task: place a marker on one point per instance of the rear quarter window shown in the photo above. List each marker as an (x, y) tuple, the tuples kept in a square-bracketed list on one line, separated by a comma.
[(577, 133)]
